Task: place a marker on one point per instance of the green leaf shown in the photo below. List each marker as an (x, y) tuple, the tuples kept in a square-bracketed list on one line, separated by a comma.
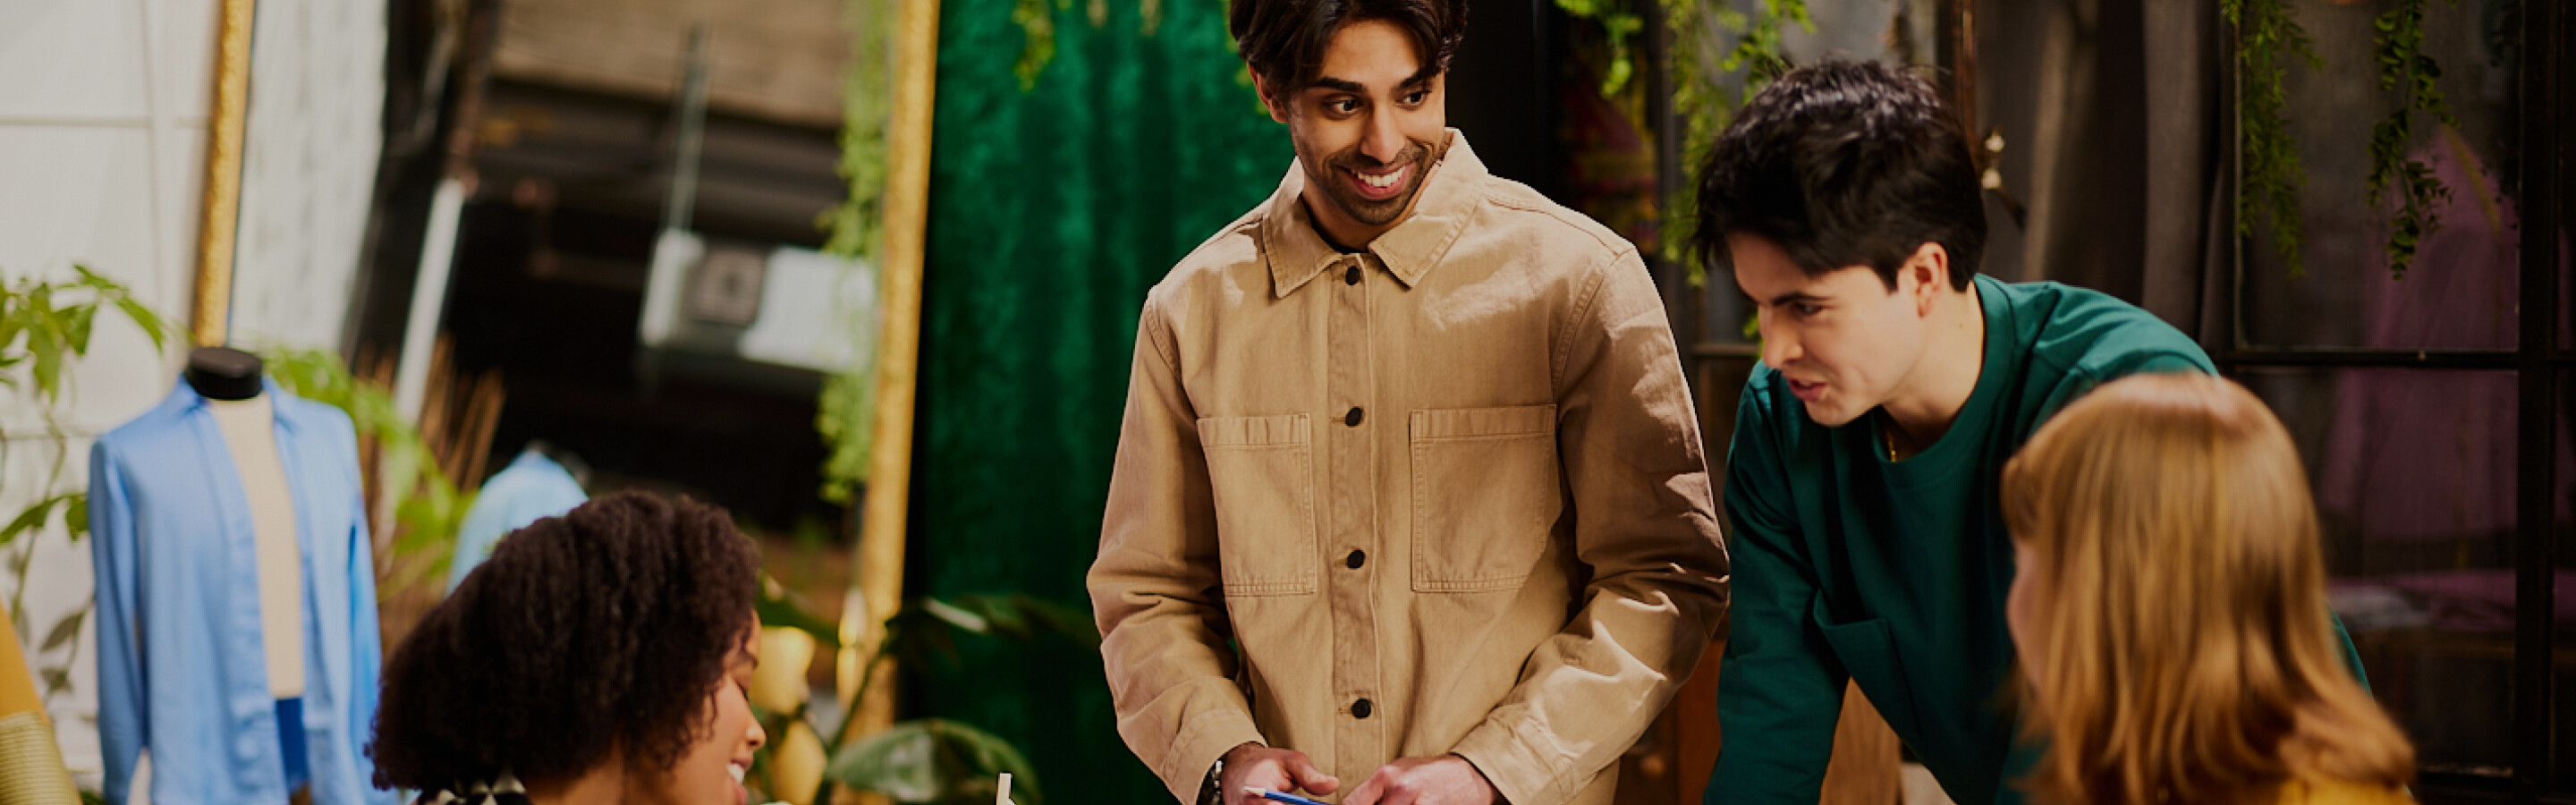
[(776, 608), (145, 319), (76, 514), (77, 322), (63, 632), (47, 347), (934, 761), (33, 518)]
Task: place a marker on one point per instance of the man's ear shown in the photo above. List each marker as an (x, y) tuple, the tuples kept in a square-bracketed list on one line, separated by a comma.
[(1278, 106), (1929, 267)]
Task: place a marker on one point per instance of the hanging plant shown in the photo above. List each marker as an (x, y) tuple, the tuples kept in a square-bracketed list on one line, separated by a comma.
[(1619, 27), (1701, 63), (1036, 19), (2404, 68), (2268, 38)]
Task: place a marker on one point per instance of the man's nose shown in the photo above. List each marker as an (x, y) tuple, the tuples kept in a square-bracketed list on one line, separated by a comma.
[(1383, 141), (1778, 348)]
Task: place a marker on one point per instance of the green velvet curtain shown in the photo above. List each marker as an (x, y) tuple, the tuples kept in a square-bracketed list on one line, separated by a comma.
[(1052, 210)]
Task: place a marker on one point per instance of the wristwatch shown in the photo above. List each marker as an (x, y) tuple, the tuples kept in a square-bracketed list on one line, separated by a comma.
[(1209, 791)]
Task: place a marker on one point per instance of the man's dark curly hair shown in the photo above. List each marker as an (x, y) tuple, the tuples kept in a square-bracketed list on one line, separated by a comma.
[(1283, 41), (605, 627), (1843, 164)]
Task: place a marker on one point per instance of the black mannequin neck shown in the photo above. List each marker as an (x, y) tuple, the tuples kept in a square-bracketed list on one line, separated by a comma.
[(224, 373)]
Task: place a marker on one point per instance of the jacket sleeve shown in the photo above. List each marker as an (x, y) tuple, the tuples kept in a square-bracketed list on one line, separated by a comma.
[(1781, 689), (1646, 526), (1155, 585), (121, 715), (366, 646)]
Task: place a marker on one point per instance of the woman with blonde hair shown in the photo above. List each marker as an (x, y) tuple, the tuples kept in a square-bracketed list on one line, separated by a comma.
[(2170, 615)]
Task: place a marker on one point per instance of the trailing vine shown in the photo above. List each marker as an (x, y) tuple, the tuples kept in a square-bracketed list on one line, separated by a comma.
[(2268, 37), (845, 411), (2406, 69), (44, 326), (1036, 19), (1620, 26), (1701, 63), (855, 224)]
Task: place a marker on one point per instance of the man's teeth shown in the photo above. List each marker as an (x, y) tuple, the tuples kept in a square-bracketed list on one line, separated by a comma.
[(1380, 182), (737, 771)]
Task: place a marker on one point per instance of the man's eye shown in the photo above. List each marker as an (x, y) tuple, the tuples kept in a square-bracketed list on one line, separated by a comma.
[(1341, 106), (1417, 97), (1806, 309)]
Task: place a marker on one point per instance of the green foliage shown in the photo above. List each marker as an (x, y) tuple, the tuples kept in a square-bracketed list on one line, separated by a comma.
[(1036, 19), (2268, 36), (846, 417), (2404, 68), (856, 225), (1702, 63), (44, 324), (426, 503), (927, 761), (1037, 23), (934, 762), (1620, 26)]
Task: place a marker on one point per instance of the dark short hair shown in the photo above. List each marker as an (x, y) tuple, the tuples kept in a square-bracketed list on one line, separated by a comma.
[(1844, 163), (1283, 41), (603, 628)]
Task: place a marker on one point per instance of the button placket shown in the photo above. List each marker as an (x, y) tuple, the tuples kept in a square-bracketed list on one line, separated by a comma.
[(1352, 480)]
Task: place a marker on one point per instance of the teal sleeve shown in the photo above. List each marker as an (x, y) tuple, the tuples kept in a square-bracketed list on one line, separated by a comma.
[(2081, 381), (1779, 688), (2351, 655)]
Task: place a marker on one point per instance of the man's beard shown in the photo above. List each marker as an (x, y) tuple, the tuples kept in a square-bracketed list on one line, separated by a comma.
[(1336, 179)]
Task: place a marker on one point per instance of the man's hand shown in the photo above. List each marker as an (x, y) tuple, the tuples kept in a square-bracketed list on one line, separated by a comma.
[(1257, 766), (1443, 780)]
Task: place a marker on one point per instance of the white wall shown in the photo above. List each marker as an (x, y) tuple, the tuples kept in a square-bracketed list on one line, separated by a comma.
[(103, 117)]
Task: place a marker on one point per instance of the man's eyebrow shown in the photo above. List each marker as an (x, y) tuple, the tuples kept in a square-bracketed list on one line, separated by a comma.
[(1339, 85), (1419, 78), (1795, 297), (1422, 76)]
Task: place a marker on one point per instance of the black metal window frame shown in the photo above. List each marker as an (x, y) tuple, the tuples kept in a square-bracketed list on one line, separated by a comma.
[(2537, 360)]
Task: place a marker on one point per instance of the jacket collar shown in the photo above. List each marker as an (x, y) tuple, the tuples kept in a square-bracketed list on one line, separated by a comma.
[(184, 398), (1450, 192)]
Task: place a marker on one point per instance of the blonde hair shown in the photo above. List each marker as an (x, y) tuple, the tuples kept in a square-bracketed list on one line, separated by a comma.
[(2189, 658)]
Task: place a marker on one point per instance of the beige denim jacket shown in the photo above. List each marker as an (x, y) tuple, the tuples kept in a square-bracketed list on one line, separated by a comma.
[(1444, 496)]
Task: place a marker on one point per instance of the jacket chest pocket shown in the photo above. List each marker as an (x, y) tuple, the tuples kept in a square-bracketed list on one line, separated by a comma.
[(1261, 471), (1486, 494)]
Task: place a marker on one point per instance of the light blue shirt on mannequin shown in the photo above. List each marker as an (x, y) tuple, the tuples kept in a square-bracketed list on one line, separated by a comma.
[(532, 487), (180, 666)]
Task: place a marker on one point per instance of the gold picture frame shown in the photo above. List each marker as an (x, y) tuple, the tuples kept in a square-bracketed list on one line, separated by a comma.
[(884, 511)]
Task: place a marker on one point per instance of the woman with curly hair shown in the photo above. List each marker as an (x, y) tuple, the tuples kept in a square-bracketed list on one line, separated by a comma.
[(2170, 610), (597, 657)]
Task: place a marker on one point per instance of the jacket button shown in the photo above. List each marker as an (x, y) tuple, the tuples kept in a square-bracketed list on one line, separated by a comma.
[(1352, 419), (1351, 277), (1355, 560), (1360, 709)]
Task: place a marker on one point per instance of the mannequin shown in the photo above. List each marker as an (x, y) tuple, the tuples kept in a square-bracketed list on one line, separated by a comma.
[(230, 380), (237, 643)]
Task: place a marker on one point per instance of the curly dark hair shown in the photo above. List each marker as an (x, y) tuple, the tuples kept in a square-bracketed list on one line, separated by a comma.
[(601, 628), (1844, 163), (1283, 41)]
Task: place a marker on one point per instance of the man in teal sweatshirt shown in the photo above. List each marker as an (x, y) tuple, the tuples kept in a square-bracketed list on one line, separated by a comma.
[(1894, 384)]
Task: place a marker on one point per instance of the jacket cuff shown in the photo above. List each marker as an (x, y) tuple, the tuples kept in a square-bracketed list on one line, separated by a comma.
[(1520, 772), (1198, 746)]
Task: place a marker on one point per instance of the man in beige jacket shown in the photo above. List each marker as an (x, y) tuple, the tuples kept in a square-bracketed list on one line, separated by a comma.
[(1409, 491)]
